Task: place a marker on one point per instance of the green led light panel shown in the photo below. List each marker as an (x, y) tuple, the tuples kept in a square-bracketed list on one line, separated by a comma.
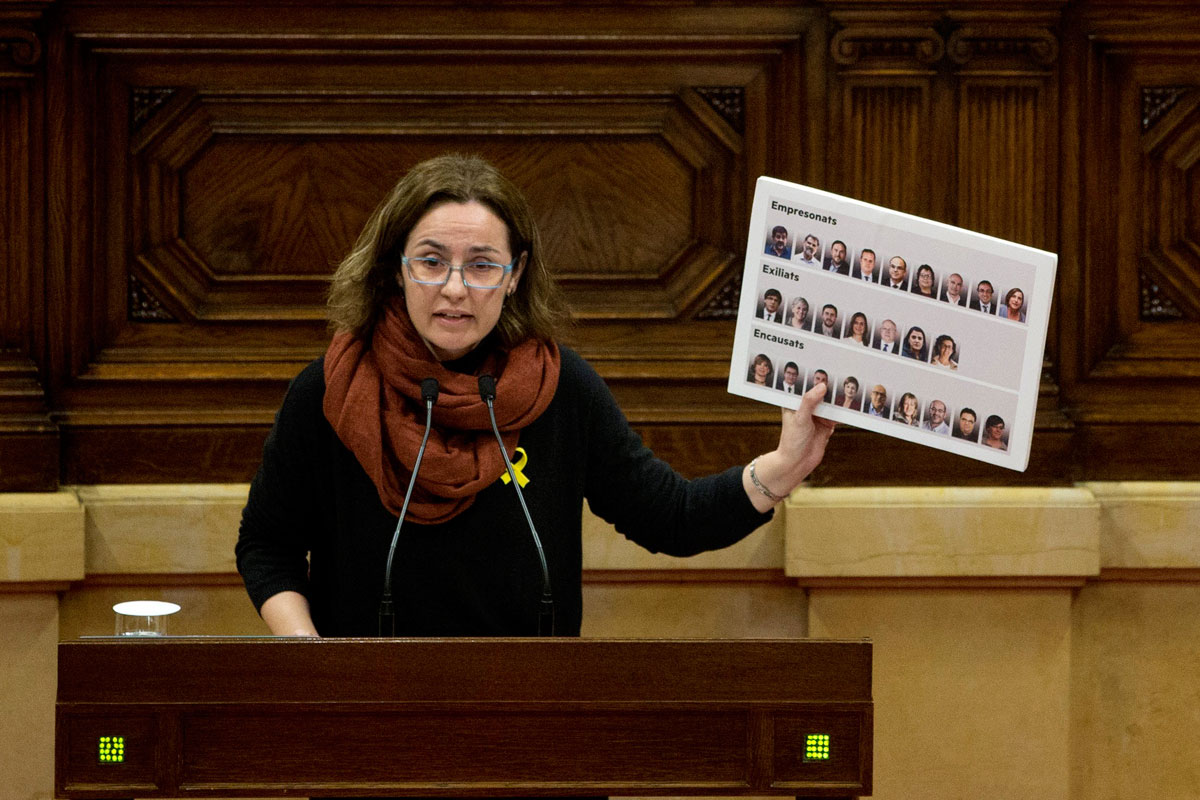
[(112, 749), (816, 747)]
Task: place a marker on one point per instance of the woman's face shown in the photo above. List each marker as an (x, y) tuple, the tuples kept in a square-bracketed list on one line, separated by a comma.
[(799, 311), (452, 318), (925, 279), (947, 349), (910, 406), (761, 368), (850, 390), (858, 325), (1016, 300), (916, 340)]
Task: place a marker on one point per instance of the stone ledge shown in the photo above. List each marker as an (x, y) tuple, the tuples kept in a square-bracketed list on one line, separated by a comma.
[(41, 538), (1148, 525), (922, 533), (605, 549), (171, 528), (191, 529), (820, 536)]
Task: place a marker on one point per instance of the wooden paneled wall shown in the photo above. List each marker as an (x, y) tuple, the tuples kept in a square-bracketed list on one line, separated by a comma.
[(178, 179)]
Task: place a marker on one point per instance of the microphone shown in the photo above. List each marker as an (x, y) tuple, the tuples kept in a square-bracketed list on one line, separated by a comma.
[(487, 392), (387, 615)]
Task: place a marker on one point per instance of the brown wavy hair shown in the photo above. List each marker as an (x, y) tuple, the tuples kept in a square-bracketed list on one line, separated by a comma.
[(365, 282)]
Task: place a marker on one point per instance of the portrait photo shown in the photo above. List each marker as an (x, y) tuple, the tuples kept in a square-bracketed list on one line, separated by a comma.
[(876, 402), (983, 298), (848, 396), (995, 432), (866, 267), (808, 251), (954, 290), (761, 371), (896, 274), (935, 418), (778, 243), (828, 323), (915, 345), (966, 425), (857, 330), (820, 376), (945, 352), (791, 379), (1013, 306), (770, 306), (887, 337), (837, 258), (907, 410), (799, 314), (925, 282)]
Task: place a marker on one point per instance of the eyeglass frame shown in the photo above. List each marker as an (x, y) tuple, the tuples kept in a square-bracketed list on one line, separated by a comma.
[(508, 268)]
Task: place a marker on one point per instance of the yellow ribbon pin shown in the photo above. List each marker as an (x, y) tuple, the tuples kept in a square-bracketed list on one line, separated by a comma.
[(518, 465)]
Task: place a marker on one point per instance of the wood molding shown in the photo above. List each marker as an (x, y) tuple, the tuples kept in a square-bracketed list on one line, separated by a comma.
[(21, 39), (154, 579), (1149, 575), (1017, 582), (21, 45), (915, 46), (688, 576), (995, 42), (29, 439), (36, 587)]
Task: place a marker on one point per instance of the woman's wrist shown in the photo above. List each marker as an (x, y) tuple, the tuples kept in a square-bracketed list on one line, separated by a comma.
[(767, 481), (759, 485), (287, 614)]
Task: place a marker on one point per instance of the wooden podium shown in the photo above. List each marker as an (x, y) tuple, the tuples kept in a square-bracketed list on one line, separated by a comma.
[(247, 717)]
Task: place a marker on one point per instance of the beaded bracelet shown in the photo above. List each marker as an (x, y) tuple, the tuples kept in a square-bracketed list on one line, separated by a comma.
[(774, 498)]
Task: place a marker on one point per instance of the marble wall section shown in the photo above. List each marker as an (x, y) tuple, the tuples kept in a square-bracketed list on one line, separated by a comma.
[(1029, 642)]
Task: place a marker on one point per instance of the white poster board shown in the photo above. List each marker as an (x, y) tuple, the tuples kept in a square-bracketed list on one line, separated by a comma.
[(962, 375)]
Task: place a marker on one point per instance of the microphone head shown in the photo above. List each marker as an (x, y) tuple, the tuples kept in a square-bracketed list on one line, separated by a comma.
[(487, 387), (429, 390)]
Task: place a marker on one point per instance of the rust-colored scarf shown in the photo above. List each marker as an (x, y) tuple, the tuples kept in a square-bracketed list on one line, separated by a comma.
[(373, 401)]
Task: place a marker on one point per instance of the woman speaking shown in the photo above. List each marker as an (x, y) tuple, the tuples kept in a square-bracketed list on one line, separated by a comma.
[(447, 282)]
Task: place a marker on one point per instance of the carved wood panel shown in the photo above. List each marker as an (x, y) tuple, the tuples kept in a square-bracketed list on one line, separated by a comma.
[(888, 128), (29, 443), (953, 120), (179, 181), (1143, 223), (953, 115), (238, 170), (1170, 225), (245, 215), (1129, 369), (1002, 181)]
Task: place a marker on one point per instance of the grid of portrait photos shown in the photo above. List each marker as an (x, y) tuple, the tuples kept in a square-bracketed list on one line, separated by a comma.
[(919, 330)]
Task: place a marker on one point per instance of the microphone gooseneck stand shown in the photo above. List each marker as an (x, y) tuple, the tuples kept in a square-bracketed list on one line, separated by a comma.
[(545, 627), (387, 614)]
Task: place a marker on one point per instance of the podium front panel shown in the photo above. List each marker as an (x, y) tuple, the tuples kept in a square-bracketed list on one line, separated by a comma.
[(223, 717)]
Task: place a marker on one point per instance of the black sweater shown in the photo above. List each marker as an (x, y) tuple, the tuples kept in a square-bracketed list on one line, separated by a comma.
[(477, 574)]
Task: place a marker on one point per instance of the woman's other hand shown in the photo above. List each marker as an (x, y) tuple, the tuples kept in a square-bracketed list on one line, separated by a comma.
[(802, 442)]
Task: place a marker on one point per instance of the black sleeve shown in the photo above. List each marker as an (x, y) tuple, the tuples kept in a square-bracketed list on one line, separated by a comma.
[(275, 535), (643, 497)]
